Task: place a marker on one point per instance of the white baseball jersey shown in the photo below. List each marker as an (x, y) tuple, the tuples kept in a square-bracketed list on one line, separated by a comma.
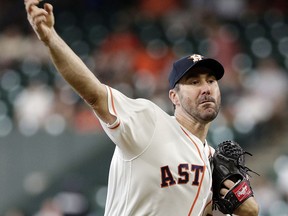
[(158, 168)]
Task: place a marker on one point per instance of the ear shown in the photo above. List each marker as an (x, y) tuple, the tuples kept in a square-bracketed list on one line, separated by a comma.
[(173, 97)]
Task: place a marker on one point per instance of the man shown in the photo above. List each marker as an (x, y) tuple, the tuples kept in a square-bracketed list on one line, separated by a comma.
[(161, 163)]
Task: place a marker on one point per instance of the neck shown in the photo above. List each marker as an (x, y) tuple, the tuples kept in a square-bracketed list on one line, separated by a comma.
[(198, 129)]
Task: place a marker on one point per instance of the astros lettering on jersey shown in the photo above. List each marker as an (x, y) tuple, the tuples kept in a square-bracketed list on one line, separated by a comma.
[(158, 167)]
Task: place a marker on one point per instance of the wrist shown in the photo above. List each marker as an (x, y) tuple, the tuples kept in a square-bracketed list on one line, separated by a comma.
[(248, 208), (50, 38)]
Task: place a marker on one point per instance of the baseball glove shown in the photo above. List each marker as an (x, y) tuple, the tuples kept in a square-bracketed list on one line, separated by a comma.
[(229, 163)]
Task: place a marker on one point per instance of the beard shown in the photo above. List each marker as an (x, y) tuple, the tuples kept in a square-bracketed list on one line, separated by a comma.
[(204, 110), (208, 108), (208, 114)]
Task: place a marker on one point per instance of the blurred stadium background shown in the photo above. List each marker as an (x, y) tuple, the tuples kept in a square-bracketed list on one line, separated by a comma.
[(54, 157)]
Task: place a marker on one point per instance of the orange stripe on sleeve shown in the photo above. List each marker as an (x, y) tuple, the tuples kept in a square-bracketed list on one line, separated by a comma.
[(112, 101), (113, 108), (117, 125)]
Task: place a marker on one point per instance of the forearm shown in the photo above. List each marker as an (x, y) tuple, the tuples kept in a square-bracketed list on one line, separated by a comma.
[(248, 208), (68, 64), (73, 69)]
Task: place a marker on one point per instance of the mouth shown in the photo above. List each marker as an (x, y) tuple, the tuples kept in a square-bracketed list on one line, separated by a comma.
[(207, 105), (205, 100)]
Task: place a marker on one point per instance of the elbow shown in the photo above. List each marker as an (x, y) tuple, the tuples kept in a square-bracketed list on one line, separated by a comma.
[(91, 101)]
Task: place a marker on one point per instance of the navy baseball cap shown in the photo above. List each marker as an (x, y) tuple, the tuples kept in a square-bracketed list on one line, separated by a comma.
[(183, 65)]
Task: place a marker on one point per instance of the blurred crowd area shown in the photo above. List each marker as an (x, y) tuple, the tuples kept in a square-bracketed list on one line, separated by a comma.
[(130, 45)]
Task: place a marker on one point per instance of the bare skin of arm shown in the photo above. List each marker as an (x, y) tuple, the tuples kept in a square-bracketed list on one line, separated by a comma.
[(68, 64), (248, 208)]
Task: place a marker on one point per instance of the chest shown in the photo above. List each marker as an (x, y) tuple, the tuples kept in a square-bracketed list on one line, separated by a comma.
[(177, 159)]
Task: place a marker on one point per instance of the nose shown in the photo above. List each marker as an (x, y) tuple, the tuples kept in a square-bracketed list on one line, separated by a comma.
[(206, 88)]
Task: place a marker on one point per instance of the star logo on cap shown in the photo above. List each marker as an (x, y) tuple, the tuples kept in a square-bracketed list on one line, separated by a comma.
[(195, 57)]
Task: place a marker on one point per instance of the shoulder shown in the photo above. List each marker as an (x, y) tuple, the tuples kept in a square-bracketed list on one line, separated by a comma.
[(123, 103)]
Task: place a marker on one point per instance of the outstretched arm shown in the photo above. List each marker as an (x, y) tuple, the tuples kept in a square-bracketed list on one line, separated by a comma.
[(68, 64)]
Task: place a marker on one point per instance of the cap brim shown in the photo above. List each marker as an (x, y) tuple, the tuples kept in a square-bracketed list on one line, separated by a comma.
[(216, 68), (185, 64)]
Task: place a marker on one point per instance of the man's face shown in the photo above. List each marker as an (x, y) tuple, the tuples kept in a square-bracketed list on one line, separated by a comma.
[(199, 95)]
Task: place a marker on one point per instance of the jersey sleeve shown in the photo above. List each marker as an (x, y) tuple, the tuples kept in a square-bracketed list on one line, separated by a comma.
[(135, 123)]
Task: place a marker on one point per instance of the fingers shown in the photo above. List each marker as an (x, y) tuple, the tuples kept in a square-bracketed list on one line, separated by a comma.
[(30, 4), (228, 185), (223, 192), (41, 19), (37, 15), (48, 8)]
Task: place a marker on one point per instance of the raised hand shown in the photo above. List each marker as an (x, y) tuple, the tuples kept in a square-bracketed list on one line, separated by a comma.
[(41, 19)]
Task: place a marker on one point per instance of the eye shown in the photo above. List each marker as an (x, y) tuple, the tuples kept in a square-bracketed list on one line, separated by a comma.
[(193, 82), (211, 80)]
